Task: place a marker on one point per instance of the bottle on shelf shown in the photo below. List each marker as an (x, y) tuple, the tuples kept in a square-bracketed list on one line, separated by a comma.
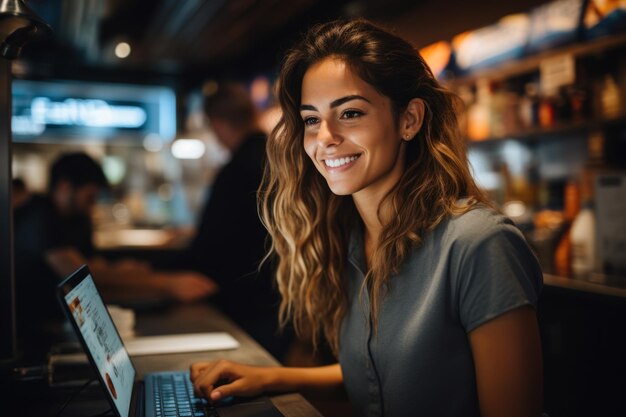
[(596, 152), (562, 106), (583, 241), (563, 253), (529, 107), (510, 112), (497, 104), (547, 112), (578, 103), (530, 193), (610, 99), (583, 233), (579, 95), (478, 114)]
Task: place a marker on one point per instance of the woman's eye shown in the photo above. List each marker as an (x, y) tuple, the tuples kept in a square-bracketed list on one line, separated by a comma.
[(309, 121), (351, 114)]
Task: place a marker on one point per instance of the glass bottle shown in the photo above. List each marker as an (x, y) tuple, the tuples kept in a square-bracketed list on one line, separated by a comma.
[(528, 107), (610, 98), (478, 117), (563, 253), (547, 111)]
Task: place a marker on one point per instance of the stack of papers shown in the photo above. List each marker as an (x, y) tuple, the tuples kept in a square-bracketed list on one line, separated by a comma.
[(193, 342)]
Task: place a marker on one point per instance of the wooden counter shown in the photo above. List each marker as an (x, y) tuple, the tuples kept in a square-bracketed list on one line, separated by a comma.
[(36, 398), (202, 318), (595, 284)]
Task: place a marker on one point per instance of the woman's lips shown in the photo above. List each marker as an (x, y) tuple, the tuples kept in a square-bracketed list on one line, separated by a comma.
[(340, 163)]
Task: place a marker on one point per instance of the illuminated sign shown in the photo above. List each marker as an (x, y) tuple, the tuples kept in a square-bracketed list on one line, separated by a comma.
[(60, 111), (94, 113)]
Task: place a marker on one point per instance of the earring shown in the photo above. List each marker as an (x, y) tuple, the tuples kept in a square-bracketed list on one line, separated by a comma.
[(407, 136)]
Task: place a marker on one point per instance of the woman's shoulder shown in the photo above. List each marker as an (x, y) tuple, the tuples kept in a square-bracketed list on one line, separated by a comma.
[(476, 225), (482, 243)]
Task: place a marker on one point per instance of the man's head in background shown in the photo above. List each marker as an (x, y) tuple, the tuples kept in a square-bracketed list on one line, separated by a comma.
[(19, 193), (75, 182), (231, 113)]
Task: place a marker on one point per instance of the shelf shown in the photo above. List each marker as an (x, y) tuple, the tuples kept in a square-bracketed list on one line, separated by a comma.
[(596, 284), (558, 130), (531, 63)]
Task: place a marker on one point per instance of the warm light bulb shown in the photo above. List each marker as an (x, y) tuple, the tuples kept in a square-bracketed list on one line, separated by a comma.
[(122, 50)]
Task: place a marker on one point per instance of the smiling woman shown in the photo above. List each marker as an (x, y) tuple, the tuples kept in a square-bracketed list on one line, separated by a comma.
[(386, 247)]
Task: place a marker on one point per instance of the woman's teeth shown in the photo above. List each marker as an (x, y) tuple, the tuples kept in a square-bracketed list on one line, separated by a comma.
[(334, 163)]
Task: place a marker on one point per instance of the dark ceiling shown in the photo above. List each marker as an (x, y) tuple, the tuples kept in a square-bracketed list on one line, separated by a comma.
[(180, 41), (184, 42)]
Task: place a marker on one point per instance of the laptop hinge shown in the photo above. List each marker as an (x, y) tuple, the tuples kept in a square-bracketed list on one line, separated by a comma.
[(140, 399)]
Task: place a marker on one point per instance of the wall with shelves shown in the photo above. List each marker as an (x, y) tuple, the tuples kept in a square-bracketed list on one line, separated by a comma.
[(529, 138)]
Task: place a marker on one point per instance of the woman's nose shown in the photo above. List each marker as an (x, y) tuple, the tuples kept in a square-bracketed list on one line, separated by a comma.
[(326, 136)]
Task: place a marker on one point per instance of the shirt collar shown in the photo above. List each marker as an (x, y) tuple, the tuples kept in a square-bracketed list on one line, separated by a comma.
[(356, 251)]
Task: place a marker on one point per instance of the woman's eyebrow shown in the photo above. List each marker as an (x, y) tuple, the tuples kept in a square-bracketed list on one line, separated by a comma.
[(336, 103), (345, 99)]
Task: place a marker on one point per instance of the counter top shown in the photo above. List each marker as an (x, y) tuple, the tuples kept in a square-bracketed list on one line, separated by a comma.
[(179, 319), (144, 239), (189, 319), (595, 284)]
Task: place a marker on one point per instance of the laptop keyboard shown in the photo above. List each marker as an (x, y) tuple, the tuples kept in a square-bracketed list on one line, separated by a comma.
[(173, 397)]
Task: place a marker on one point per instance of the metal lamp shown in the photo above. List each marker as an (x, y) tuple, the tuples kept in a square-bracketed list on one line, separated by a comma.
[(18, 26)]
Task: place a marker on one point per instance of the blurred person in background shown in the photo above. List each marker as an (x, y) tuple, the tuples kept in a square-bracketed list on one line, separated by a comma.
[(19, 193), (230, 241), (53, 237)]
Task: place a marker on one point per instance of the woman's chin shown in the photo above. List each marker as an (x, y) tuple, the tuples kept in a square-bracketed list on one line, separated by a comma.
[(340, 189)]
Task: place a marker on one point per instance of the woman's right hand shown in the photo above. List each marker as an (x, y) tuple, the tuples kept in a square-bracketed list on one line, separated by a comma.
[(220, 379), (185, 286)]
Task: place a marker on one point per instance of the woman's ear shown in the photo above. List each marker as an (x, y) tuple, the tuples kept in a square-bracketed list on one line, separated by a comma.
[(412, 119)]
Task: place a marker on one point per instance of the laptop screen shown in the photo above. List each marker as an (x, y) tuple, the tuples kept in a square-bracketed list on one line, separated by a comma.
[(103, 342)]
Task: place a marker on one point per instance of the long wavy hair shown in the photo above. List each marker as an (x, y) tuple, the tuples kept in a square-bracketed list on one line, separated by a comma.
[(310, 226)]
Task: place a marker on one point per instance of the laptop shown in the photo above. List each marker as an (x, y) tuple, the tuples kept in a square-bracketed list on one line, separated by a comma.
[(160, 394)]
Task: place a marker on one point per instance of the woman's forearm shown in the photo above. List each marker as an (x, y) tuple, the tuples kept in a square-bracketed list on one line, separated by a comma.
[(305, 379), (247, 380)]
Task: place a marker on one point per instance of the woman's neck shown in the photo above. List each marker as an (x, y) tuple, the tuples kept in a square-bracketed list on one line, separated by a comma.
[(368, 210)]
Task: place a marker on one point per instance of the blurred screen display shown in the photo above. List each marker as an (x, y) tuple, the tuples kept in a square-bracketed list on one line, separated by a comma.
[(61, 111)]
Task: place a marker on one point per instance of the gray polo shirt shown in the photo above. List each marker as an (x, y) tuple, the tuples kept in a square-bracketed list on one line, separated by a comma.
[(469, 270)]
